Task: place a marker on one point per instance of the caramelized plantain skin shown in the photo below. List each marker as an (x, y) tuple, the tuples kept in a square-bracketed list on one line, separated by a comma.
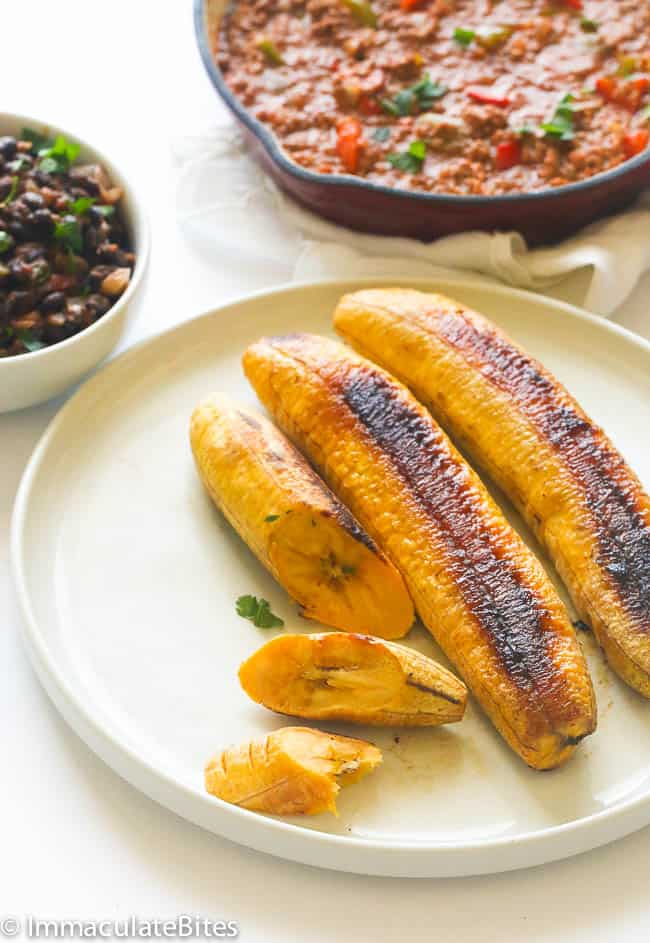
[(476, 586), (517, 421), (352, 678), (292, 771), (296, 527)]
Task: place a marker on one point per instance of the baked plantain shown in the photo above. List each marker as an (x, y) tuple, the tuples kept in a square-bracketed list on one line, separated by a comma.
[(476, 585), (354, 678), (292, 771), (517, 421), (294, 524)]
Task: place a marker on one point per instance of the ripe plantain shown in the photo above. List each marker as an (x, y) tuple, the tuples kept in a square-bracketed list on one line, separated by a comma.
[(354, 678), (292, 771), (585, 505), (476, 585), (294, 524)]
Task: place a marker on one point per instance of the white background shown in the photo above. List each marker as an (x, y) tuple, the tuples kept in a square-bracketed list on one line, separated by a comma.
[(76, 840)]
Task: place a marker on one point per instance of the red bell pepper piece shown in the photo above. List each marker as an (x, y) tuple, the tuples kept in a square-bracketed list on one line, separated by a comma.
[(574, 4), (627, 92), (369, 105), (606, 86), (349, 143), (408, 5), (635, 142), (508, 154), (488, 96)]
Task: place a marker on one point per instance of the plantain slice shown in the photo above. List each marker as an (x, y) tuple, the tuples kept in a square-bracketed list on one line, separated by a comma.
[(294, 524), (353, 678), (478, 588), (292, 771), (517, 421)]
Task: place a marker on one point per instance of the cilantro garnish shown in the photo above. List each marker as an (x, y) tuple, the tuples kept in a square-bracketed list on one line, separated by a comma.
[(381, 134), (464, 36), (68, 234), (271, 517), (6, 242), (38, 141), (411, 160), (31, 343), (424, 93), (561, 124), (81, 205), (57, 158), (589, 26), (106, 211), (258, 611), (13, 190)]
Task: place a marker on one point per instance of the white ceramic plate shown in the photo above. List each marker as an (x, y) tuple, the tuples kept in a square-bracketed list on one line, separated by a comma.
[(128, 578)]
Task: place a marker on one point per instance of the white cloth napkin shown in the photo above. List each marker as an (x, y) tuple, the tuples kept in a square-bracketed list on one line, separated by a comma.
[(226, 204)]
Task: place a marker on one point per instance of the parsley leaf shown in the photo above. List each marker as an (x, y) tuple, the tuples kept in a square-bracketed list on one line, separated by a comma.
[(31, 343), (561, 124), (81, 205), (58, 158), (38, 141), (381, 134), (6, 242), (424, 93), (258, 611), (464, 36), (411, 160), (589, 26), (68, 234), (272, 517), (13, 189), (106, 211)]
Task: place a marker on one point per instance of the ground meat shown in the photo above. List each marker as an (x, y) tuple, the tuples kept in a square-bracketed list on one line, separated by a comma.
[(518, 95)]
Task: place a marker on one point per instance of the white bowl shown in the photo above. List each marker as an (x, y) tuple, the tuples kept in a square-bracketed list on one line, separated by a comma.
[(38, 376)]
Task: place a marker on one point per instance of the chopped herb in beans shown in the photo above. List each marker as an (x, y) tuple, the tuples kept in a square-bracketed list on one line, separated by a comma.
[(464, 36), (65, 255), (410, 161), (423, 95), (561, 124), (504, 97)]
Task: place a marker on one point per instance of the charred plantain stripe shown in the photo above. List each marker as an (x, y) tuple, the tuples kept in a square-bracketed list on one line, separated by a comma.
[(507, 611), (427, 690), (609, 492)]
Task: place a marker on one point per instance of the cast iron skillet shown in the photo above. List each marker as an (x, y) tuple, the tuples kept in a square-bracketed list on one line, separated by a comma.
[(544, 216)]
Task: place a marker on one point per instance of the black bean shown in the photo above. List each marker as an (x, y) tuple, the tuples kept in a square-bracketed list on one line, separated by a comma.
[(30, 251), (97, 275), (18, 230), (6, 183), (19, 302), (33, 200), (8, 147), (98, 305), (42, 223), (55, 301)]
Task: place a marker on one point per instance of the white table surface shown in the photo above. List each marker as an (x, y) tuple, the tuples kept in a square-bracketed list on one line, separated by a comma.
[(78, 842)]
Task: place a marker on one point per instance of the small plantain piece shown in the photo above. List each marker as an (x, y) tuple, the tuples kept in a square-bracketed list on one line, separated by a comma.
[(292, 771), (478, 588), (353, 678), (518, 422), (294, 524)]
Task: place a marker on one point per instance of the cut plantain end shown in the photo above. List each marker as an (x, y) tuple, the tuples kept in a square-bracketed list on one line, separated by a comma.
[(292, 771), (294, 524), (353, 678)]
